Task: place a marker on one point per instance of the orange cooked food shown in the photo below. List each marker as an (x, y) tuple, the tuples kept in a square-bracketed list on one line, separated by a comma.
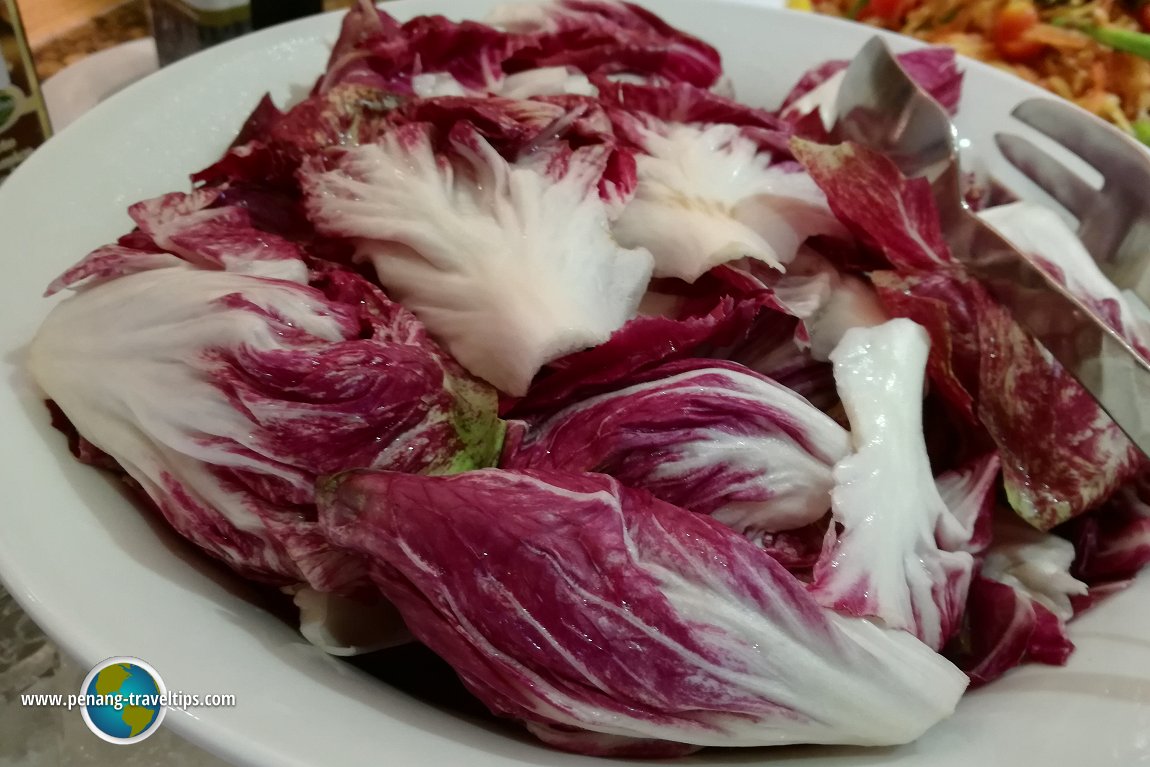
[(1095, 53)]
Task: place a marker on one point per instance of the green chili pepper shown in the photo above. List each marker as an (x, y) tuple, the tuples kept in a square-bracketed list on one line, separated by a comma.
[(857, 8), (1120, 39)]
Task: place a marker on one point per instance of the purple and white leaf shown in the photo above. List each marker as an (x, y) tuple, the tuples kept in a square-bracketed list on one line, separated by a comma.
[(887, 561), (708, 436), (1044, 235), (509, 265), (707, 195), (1035, 564), (613, 623), (223, 396)]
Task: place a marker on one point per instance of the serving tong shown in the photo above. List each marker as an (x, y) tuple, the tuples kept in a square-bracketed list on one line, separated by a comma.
[(880, 107)]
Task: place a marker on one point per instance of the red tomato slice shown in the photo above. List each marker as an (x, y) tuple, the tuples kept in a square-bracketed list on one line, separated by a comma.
[(1010, 28)]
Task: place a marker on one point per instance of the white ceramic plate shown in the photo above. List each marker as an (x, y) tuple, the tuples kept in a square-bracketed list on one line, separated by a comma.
[(104, 581)]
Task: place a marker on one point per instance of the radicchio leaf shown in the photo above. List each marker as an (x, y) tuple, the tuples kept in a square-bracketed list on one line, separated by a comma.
[(934, 69), (574, 603), (946, 306), (1004, 628), (828, 301), (1019, 603), (277, 382), (867, 192), (605, 38), (970, 492), (1061, 454), (186, 227), (707, 195), (689, 104), (723, 315), (1041, 233), (1035, 564), (374, 50), (1112, 543), (890, 561), (710, 437), (510, 265)]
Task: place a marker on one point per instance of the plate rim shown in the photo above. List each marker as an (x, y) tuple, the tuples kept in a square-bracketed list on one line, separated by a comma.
[(207, 732)]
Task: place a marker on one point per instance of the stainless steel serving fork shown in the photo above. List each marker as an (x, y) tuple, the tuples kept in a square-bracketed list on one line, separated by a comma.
[(1114, 220), (880, 107)]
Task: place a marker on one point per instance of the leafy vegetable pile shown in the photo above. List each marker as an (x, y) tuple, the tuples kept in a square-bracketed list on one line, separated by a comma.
[(531, 333)]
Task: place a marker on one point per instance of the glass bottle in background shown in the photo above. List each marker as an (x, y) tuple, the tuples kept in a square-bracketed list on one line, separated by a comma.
[(267, 13), (23, 118), (184, 27)]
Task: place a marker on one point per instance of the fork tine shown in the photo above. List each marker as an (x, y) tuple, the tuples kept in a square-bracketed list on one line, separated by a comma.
[(1064, 185), (1108, 149)]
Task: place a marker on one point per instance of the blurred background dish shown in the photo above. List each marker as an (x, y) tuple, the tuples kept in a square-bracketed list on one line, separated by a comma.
[(83, 85), (1095, 53)]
